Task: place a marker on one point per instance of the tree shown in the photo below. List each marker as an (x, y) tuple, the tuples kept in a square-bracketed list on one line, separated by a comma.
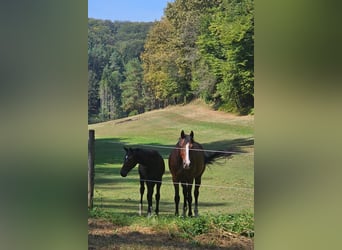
[(185, 16), (110, 93), (93, 95), (133, 94), (159, 64), (110, 46), (226, 45)]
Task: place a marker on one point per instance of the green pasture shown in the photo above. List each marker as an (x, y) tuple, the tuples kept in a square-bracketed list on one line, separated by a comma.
[(227, 185)]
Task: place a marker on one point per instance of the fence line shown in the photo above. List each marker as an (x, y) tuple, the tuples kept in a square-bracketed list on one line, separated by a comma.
[(202, 185), (247, 197), (202, 150)]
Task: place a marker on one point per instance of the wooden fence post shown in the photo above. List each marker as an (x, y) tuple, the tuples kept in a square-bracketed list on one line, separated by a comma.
[(91, 170)]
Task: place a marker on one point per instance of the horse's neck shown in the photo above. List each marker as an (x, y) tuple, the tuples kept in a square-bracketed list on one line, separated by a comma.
[(139, 157), (196, 145)]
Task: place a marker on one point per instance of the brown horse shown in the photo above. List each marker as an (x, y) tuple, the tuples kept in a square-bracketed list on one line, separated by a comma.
[(187, 163), (151, 170)]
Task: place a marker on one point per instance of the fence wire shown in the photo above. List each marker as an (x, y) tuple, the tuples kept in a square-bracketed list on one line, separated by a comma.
[(193, 149)]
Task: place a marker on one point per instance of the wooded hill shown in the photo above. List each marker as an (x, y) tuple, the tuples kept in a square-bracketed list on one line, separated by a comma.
[(199, 49)]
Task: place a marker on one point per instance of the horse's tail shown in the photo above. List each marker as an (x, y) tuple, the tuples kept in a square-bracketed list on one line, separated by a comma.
[(210, 158)]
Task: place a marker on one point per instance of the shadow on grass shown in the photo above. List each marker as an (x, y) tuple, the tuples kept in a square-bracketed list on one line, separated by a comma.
[(110, 150), (142, 240)]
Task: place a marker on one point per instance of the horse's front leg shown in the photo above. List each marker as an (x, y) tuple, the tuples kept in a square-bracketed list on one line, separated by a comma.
[(142, 189), (185, 196), (176, 186)]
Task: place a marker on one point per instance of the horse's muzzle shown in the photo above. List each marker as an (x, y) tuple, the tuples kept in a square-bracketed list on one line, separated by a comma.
[(123, 174), (186, 165)]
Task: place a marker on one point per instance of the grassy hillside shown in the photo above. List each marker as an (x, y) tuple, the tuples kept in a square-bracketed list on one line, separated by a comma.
[(227, 185)]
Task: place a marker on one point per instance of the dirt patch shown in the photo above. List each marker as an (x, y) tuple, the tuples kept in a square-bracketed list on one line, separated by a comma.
[(199, 110), (125, 120), (103, 234)]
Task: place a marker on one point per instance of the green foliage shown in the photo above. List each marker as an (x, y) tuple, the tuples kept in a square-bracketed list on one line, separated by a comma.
[(199, 49), (93, 94), (238, 223), (110, 93), (133, 101), (226, 44), (111, 45), (203, 49), (159, 63), (193, 226), (117, 219), (97, 212)]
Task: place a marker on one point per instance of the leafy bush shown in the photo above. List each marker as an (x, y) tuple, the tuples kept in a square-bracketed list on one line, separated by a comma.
[(237, 223), (193, 226), (133, 113)]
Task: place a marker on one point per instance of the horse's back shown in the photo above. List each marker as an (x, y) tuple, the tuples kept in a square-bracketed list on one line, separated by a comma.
[(153, 166), (152, 158)]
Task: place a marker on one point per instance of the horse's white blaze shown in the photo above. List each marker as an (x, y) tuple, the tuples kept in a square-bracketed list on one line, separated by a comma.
[(187, 159)]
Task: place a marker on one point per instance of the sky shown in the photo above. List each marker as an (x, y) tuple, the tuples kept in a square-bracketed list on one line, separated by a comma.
[(127, 10)]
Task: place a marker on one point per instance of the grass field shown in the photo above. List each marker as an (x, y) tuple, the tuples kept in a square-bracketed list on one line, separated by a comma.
[(227, 185)]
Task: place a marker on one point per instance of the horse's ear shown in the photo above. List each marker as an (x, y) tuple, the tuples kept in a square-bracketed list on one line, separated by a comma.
[(192, 134), (182, 134)]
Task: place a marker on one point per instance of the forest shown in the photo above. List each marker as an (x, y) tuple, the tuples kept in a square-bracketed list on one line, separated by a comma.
[(199, 49)]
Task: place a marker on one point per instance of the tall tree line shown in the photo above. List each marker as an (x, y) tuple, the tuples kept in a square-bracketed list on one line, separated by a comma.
[(199, 49), (114, 67)]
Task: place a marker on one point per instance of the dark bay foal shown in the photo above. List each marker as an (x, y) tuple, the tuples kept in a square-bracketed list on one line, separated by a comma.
[(151, 170)]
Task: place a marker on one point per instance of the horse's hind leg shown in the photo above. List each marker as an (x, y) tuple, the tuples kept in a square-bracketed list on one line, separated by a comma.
[(150, 186), (189, 187), (177, 198), (158, 197), (142, 189), (196, 193)]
